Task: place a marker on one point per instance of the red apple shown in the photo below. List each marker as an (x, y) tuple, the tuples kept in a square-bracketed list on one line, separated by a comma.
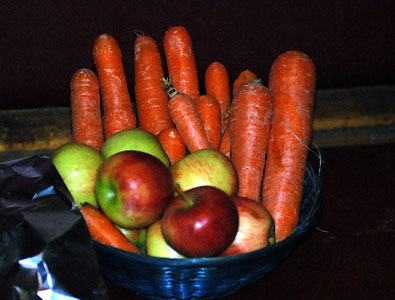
[(200, 222), (256, 227), (133, 188)]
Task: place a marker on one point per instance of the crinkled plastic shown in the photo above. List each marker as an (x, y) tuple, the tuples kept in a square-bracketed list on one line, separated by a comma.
[(45, 248)]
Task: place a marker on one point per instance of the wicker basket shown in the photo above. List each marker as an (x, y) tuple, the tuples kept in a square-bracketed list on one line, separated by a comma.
[(208, 278)]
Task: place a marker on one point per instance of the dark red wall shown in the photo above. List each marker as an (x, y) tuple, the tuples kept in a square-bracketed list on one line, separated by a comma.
[(43, 43)]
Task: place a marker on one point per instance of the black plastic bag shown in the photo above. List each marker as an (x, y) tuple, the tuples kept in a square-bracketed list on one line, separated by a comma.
[(45, 248)]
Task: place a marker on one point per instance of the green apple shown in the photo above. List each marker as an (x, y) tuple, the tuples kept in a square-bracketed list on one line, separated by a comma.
[(77, 165), (134, 139), (136, 237), (156, 244), (205, 167)]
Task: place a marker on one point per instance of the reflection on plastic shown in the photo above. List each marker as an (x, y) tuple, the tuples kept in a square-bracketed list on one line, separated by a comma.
[(38, 267), (46, 283), (48, 191), (45, 247)]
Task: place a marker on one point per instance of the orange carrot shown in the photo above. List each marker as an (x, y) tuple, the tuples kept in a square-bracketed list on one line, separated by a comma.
[(224, 146), (102, 230), (151, 98), (117, 110), (217, 85), (85, 109), (249, 127), (244, 76), (292, 84), (173, 144), (210, 114), (183, 112), (180, 60)]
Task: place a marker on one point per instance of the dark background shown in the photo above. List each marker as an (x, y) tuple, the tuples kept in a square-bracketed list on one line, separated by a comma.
[(44, 42), (350, 255)]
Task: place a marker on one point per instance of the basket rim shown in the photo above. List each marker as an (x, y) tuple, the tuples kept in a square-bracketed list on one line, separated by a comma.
[(203, 261), (217, 261)]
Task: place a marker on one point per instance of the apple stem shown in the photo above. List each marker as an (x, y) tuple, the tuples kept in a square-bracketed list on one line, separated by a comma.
[(184, 196)]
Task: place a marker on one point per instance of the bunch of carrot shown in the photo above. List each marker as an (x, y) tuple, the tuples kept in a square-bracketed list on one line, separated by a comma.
[(182, 119), (264, 131)]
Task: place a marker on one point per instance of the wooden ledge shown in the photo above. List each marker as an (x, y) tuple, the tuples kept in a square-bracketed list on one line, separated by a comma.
[(342, 117), (355, 116), (354, 108)]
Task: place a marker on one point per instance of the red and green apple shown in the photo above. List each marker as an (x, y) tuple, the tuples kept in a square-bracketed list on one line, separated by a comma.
[(133, 188), (256, 227), (205, 167)]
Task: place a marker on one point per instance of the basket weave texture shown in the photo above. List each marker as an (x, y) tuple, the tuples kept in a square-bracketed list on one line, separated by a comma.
[(208, 278)]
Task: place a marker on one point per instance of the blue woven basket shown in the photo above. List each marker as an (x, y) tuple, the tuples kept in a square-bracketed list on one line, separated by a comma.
[(208, 278)]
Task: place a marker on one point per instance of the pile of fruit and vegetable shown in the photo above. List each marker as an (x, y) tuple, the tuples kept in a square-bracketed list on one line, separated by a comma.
[(185, 174)]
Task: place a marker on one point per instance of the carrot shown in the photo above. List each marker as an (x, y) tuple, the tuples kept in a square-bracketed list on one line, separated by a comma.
[(151, 98), (117, 110), (249, 126), (292, 84), (102, 230), (224, 146), (180, 60), (183, 112), (173, 144), (217, 85), (244, 76), (85, 109), (209, 112)]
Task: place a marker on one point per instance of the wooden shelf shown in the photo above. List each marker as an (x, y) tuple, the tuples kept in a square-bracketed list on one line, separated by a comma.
[(355, 116), (342, 117)]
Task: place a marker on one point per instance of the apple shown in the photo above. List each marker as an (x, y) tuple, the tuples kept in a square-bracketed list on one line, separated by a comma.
[(200, 222), (136, 237), (156, 244), (77, 165), (133, 188), (205, 167), (134, 139), (256, 227)]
